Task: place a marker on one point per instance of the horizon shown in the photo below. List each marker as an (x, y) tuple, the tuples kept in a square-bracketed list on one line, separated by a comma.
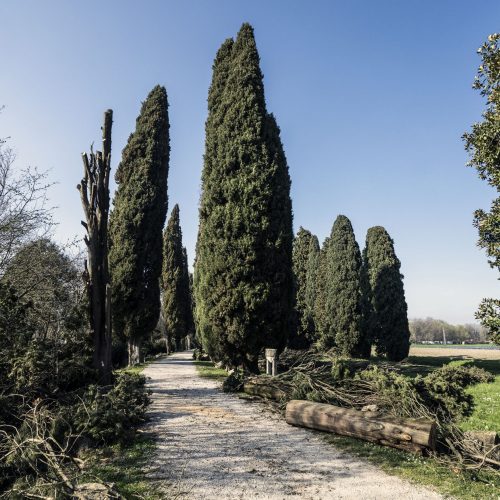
[(378, 141)]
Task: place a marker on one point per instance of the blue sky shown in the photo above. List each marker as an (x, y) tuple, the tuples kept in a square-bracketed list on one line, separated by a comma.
[(372, 99)]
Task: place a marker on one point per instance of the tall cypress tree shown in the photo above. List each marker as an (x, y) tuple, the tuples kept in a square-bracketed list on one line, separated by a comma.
[(188, 287), (301, 331), (321, 318), (312, 270), (136, 224), (387, 309), (211, 192), (243, 275), (175, 281), (343, 290)]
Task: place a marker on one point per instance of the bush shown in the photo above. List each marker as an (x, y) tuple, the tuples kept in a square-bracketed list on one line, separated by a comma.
[(110, 414), (464, 374), (200, 355), (234, 381), (346, 367)]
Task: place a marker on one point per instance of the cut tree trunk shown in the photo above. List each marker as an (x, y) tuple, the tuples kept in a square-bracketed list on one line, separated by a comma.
[(407, 434)]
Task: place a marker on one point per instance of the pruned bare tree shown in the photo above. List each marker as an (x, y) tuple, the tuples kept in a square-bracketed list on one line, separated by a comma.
[(94, 193)]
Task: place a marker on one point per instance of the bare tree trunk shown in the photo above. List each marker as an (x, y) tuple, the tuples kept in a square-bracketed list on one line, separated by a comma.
[(134, 351), (94, 193)]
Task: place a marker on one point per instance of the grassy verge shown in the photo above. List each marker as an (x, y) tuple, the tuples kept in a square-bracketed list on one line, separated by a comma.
[(133, 369), (207, 369), (124, 467), (424, 471)]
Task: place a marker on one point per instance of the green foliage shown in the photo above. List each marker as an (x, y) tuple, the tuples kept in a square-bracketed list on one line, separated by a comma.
[(347, 367), (484, 148), (46, 277), (199, 355), (342, 290), (464, 374), (110, 414), (243, 276), (234, 381), (175, 281), (311, 288), (384, 306), (303, 328), (137, 220), (321, 317), (489, 315)]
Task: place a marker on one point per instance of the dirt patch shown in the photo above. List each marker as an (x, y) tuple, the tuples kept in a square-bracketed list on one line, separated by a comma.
[(458, 352)]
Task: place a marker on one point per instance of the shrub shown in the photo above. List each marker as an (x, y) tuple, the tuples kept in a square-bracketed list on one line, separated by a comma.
[(234, 381), (464, 374), (110, 414)]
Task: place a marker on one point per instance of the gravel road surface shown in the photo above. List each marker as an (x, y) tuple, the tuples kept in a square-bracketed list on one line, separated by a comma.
[(213, 445)]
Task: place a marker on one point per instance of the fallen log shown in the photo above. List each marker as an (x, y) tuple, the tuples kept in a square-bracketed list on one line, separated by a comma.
[(412, 435), (263, 390)]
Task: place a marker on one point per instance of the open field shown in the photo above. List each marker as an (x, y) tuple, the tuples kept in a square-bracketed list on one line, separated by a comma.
[(456, 352)]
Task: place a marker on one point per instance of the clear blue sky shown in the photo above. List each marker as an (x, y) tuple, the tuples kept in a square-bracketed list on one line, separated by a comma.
[(372, 99)]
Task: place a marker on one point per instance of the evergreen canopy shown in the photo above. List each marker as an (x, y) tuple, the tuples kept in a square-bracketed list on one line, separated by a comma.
[(136, 223), (175, 281), (343, 290), (386, 311), (312, 283), (302, 328), (243, 274)]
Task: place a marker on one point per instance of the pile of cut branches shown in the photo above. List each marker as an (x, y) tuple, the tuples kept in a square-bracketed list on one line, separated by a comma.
[(357, 384)]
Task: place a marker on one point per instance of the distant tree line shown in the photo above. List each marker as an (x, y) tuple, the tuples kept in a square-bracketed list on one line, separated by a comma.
[(436, 330)]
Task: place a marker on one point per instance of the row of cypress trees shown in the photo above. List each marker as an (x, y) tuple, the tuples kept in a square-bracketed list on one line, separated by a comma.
[(348, 300), (248, 272)]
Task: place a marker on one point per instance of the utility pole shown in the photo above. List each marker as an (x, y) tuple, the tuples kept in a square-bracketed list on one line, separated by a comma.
[(444, 337)]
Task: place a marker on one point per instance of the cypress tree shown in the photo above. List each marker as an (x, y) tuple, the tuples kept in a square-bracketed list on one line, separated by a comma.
[(300, 257), (387, 317), (312, 270), (343, 290), (321, 318), (188, 287), (136, 224), (175, 281), (243, 277), (211, 192)]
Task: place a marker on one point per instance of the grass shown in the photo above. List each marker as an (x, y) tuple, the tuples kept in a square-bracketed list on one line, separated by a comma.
[(123, 465), (206, 369), (133, 369), (421, 470), (486, 415)]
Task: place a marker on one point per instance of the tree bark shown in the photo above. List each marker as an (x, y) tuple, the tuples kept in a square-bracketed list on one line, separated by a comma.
[(94, 194), (404, 433), (135, 355)]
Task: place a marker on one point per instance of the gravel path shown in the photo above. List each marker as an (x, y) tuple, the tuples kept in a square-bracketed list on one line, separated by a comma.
[(213, 445)]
